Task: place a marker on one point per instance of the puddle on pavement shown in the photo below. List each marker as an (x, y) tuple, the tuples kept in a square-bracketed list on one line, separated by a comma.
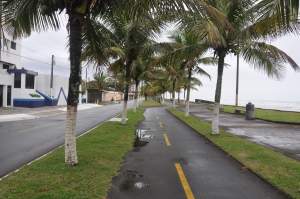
[(132, 180), (143, 137)]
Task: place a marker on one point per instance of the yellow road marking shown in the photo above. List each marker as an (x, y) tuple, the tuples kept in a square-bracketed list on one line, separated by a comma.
[(185, 184), (167, 141)]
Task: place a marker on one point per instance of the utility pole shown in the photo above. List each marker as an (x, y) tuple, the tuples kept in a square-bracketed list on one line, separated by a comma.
[(237, 80), (51, 77)]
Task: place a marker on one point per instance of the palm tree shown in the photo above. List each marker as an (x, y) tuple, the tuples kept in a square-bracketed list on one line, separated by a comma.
[(285, 11), (140, 71), (26, 16), (190, 49), (100, 80), (130, 39), (243, 34)]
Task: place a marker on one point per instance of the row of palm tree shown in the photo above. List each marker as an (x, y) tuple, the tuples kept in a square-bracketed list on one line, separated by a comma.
[(120, 35)]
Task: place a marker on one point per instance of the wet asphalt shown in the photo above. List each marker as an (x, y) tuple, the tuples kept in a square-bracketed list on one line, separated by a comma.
[(284, 138), (149, 172), (26, 140)]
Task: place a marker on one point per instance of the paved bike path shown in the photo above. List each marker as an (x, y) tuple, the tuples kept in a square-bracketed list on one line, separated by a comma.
[(178, 163)]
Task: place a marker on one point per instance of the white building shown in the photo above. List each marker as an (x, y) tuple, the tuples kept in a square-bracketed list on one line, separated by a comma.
[(9, 59), (21, 87)]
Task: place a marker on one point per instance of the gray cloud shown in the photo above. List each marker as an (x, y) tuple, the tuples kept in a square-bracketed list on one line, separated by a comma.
[(253, 85)]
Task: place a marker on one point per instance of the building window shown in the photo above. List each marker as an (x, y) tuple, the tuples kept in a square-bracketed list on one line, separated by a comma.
[(17, 83), (13, 45), (29, 81), (5, 66)]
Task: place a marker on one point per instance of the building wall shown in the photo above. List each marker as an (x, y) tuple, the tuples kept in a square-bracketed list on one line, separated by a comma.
[(6, 80), (23, 93), (43, 85), (10, 55), (107, 96)]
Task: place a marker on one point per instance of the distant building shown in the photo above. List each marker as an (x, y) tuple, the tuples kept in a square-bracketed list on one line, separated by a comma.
[(95, 96), (26, 88)]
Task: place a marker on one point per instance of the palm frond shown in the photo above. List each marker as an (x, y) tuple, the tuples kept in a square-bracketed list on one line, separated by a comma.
[(268, 58)]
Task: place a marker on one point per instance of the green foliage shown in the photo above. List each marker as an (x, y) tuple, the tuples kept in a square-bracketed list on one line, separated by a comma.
[(100, 152), (276, 168), (100, 81), (35, 95)]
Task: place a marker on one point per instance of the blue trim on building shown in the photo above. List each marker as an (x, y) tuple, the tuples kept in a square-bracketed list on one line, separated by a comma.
[(47, 101), (20, 71), (31, 103)]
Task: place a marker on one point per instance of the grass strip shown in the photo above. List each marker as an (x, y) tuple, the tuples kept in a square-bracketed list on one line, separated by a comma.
[(150, 103), (100, 155), (279, 170), (269, 115)]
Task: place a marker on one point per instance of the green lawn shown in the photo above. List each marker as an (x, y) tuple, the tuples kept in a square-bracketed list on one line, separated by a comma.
[(270, 115), (280, 170), (150, 103), (100, 155)]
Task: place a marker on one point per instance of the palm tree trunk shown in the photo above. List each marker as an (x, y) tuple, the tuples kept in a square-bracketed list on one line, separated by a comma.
[(173, 94), (216, 112), (75, 25), (184, 91), (187, 103), (178, 97), (163, 98), (127, 82), (136, 94)]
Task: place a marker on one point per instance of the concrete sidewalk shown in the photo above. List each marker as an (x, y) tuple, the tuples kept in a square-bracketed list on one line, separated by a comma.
[(171, 161), (282, 137), (20, 113)]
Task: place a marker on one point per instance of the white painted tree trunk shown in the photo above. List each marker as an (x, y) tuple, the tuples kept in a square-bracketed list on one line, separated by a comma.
[(187, 108), (138, 102), (187, 102), (124, 114), (216, 121), (70, 136), (136, 105), (174, 102)]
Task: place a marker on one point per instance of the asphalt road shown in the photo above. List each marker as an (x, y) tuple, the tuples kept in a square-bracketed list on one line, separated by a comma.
[(24, 141), (173, 161)]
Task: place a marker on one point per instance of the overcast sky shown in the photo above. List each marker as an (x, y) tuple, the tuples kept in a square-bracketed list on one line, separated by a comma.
[(254, 85)]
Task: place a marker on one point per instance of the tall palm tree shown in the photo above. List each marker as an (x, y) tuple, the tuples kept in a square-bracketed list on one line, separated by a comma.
[(244, 34), (190, 49), (131, 38), (25, 16)]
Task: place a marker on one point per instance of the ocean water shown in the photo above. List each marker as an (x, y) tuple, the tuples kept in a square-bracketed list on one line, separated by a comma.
[(270, 104)]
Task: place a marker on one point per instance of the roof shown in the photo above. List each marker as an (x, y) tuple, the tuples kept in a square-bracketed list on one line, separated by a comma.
[(21, 71)]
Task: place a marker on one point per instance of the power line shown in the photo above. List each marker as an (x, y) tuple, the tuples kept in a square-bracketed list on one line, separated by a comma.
[(32, 59)]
